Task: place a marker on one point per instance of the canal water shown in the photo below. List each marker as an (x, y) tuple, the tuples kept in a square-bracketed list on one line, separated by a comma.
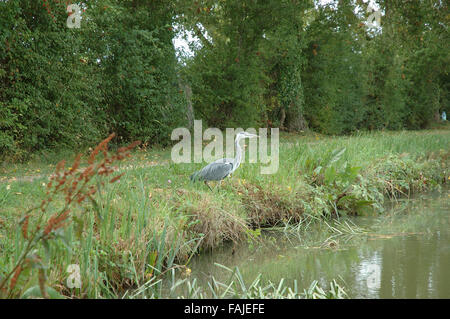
[(404, 253)]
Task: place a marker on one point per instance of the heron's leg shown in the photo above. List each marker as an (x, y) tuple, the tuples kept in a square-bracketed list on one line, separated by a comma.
[(219, 186), (208, 186)]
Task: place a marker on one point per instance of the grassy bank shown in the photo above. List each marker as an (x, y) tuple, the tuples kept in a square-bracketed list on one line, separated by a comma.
[(153, 219)]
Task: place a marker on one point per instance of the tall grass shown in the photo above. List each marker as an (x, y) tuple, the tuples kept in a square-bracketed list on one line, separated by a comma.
[(235, 287)]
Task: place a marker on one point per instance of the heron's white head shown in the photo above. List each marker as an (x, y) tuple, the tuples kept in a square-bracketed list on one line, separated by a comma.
[(241, 135)]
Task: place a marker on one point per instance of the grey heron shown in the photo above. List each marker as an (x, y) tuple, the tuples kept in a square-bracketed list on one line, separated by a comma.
[(221, 168)]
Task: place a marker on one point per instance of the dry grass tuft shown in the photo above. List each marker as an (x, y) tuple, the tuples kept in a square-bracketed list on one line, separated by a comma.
[(268, 206), (217, 224)]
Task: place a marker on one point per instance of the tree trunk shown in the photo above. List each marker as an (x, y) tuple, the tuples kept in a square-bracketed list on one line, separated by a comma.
[(295, 119), (283, 118), (189, 109)]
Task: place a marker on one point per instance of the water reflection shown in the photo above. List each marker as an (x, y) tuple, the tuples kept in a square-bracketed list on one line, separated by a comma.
[(406, 254)]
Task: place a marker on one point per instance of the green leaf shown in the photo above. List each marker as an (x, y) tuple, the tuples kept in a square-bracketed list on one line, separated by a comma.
[(336, 155), (96, 208), (35, 292), (60, 233), (317, 170), (330, 175), (363, 202)]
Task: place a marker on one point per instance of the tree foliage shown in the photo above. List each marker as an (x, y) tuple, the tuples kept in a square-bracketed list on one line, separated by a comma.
[(292, 64), (68, 87)]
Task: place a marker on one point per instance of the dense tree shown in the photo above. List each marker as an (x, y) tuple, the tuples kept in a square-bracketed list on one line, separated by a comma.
[(247, 69), (48, 89), (335, 75), (62, 86)]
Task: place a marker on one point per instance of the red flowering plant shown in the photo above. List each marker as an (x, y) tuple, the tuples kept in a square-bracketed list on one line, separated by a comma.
[(76, 186)]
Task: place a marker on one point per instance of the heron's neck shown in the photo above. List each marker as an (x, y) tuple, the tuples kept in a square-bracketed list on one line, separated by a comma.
[(237, 158)]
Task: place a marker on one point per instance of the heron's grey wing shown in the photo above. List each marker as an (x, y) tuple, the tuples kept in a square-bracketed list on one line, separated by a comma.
[(228, 160), (214, 171)]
